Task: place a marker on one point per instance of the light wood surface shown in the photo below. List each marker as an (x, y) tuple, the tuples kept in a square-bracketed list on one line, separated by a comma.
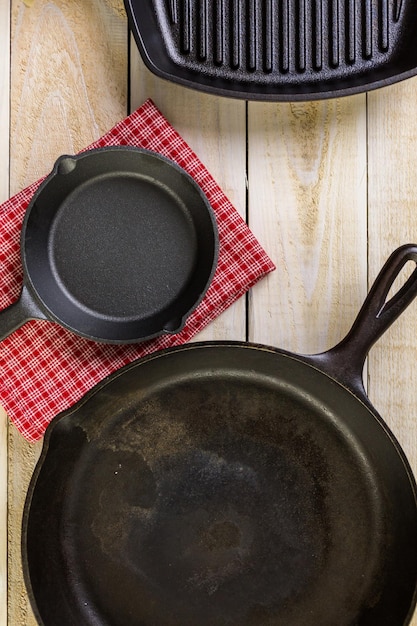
[(4, 193), (329, 189)]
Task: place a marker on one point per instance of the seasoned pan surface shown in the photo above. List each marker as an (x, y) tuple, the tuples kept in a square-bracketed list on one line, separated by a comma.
[(277, 49), (192, 491), (118, 245), (228, 483)]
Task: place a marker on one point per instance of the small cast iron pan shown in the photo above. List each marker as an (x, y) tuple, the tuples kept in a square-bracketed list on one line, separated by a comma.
[(228, 484), (118, 245), (277, 49)]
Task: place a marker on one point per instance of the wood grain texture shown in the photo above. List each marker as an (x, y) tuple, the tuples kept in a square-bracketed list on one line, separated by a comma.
[(392, 205), (4, 193), (3, 515), (307, 203), (215, 128), (22, 461), (4, 98), (68, 86), (69, 80)]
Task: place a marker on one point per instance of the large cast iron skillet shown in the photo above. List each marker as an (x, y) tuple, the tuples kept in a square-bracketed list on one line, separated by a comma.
[(277, 49), (228, 484), (118, 245)]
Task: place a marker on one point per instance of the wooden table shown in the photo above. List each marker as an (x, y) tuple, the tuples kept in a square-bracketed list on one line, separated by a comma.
[(329, 189)]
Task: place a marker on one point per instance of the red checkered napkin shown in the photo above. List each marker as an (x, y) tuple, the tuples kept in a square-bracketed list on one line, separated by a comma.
[(44, 368)]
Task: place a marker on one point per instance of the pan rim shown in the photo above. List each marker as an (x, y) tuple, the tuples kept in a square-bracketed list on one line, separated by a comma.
[(186, 348), (166, 326)]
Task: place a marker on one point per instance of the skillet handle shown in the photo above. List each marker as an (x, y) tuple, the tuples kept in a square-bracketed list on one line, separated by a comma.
[(346, 360), (18, 313)]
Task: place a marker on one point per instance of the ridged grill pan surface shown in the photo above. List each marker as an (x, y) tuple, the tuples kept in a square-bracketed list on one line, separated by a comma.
[(277, 49)]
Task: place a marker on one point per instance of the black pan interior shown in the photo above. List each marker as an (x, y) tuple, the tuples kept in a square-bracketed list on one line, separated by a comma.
[(120, 244), (206, 486), (277, 49)]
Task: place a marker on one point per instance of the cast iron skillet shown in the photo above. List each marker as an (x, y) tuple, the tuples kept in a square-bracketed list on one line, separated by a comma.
[(224, 484), (277, 49), (118, 245)]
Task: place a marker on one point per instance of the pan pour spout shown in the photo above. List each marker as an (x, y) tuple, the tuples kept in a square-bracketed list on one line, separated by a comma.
[(65, 165)]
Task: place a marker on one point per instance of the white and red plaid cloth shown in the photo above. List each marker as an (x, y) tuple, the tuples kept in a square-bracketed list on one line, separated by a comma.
[(45, 369)]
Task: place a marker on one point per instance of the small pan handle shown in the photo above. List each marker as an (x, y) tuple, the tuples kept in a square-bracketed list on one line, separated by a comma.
[(345, 361), (18, 313)]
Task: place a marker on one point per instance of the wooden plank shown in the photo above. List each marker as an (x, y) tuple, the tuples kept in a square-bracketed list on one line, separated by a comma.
[(3, 515), (392, 132), (22, 460), (4, 98), (307, 204), (4, 192), (215, 129), (65, 92), (69, 80)]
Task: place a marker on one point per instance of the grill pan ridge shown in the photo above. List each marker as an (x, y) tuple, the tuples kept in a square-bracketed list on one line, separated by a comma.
[(277, 49)]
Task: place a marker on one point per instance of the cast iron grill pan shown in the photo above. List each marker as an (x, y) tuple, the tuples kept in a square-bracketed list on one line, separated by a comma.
[(277, 49)]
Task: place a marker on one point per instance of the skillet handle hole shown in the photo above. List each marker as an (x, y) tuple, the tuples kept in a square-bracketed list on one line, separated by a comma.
[(399, 282)]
